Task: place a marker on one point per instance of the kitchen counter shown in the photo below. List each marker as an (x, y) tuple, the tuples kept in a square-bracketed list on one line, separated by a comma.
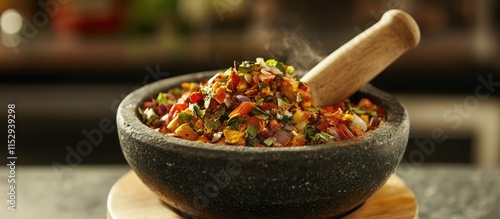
[(443, 191)]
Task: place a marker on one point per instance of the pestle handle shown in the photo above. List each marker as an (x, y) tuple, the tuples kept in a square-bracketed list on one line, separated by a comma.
[(357, 62)]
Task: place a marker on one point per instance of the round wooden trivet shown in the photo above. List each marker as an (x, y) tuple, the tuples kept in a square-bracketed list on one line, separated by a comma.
[(130, 198)]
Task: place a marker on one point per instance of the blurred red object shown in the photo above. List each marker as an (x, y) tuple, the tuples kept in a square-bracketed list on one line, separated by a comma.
[(79, 18)]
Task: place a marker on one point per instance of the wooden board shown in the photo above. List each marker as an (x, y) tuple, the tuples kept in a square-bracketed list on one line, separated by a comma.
[(130, 198)]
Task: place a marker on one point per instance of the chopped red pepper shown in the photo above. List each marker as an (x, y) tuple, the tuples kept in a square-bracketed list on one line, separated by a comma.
[(235, 79), (196, 96), (177, 108)]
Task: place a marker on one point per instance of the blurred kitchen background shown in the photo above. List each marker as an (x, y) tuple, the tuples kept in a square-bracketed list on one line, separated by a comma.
[(66, 64)]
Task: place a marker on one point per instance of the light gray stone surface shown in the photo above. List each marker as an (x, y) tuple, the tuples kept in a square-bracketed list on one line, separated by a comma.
[(454, 192), (443, 191)]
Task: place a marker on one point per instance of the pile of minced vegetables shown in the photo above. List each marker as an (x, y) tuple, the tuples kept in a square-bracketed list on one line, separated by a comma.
[(257, 104)]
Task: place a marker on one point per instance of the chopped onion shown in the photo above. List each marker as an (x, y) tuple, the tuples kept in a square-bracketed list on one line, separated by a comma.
[(242, 98), (256, 79), (287, 113), (275, 71), (165, 118), (374, 122), (248, 78), (263, 70), (216, 136), (358, 122), (163, 108), (283, 137), (228, 102), (263, 64), (331, 131)]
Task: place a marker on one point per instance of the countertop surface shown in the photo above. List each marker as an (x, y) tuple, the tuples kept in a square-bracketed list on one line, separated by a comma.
[(443, 191)]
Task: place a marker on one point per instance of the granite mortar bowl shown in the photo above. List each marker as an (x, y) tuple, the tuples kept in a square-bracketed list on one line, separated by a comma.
[(220, 181)]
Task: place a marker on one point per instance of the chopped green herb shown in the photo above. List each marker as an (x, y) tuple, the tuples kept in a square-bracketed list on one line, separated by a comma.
[(262, 85), (220, 112), (209, 93), (251, 131), (270, 141), (313, 109), (348, 106), (197, 111), (259, 111), (281, 103), (280, 66), (161, 99), (185, 117), (246, 66), (206, 90), (252, 142), (325, 136), (309, 131), (213, 124), (282, 118), (234, 122), (258, 101), (269, 99)]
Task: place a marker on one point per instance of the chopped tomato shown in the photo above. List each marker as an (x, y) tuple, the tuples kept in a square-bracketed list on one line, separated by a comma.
[(340, 106), (380, 112), (256, 122), (196, 96), (220, 95), (268, 106), (266, 78), (365, 103), (177, 108), (243, 109), (329, 109), (322, 126), (234, 80)]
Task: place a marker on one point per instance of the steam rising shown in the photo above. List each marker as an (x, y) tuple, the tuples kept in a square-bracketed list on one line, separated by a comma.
[(282, 35), (295, 50)]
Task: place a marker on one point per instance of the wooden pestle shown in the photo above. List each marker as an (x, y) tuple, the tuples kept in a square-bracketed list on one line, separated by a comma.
[(357, 62)]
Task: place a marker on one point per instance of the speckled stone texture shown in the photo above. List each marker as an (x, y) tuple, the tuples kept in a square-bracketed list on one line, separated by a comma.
[(214, 181)]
